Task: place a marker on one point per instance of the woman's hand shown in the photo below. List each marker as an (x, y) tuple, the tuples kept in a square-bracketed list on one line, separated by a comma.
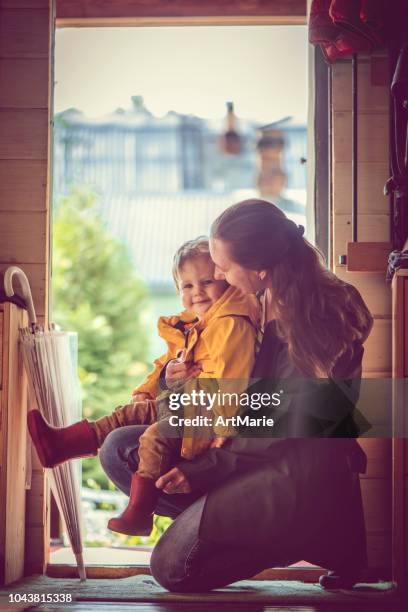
[(218, 442), (173, 481), (178, 370), (192, 447)]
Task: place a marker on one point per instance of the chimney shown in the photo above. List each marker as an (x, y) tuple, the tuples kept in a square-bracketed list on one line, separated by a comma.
[(230, 142)]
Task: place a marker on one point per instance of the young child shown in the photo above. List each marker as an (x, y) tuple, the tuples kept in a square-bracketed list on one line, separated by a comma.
[(217, 332)]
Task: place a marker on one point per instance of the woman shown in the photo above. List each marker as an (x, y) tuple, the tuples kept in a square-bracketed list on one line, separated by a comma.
[(292, 494)]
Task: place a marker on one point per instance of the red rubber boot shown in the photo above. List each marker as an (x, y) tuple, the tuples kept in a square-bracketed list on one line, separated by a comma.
[(137, 518), (55, 445)]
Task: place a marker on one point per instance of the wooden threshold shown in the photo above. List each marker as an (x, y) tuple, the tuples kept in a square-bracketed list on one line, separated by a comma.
[(113, 572), (121, 562), (302, 574), (125, 562)]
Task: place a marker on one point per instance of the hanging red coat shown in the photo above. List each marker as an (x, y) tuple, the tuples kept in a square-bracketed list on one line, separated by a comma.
[(344, 27)]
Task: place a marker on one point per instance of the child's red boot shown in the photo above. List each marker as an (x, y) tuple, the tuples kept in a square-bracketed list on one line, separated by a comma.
[(54, 445), (137, 518)]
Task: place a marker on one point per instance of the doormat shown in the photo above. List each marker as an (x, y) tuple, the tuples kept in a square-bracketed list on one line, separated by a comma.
[(144, 588)]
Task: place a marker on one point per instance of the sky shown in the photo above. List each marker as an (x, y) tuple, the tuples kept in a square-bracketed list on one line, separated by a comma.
[(262, 69)]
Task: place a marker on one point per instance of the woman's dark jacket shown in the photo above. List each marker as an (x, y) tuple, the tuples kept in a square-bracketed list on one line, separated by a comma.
[(293, 491)]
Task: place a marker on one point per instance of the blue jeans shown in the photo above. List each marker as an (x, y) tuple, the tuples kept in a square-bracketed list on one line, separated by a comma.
[(181, 561)]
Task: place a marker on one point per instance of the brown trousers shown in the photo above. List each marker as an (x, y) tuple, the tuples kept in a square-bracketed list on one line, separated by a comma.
[(159, 445)]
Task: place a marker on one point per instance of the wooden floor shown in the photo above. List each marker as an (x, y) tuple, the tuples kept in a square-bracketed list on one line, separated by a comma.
[(239, 597)]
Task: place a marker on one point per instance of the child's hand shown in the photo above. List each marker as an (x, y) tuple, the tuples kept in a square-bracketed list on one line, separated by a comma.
[(178, 370), (140, 397)]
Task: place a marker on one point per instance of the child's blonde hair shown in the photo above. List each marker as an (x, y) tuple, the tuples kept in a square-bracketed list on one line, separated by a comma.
[(190, 250)]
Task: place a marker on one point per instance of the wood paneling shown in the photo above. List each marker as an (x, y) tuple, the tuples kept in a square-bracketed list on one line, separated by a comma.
[(37, 514), (25, 60), (37, 547), (22, 83), (405, 333), (380, 71), (371, 97), (379, 554), (378, 453), (368, 256), (23, 185), (23, 237), (127, 9), (400, 444), (25, 4), (1, 353), (377, 355), (37, 275), (404, 534), (372, 177), (374, 290), (24, 33), (399, 310), (37, 525), (372, 137), (24, 134), (375, 404), (371, 228), (13, 410)]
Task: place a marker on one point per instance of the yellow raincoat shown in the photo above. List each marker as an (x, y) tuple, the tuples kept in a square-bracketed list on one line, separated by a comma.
[(221, 342)]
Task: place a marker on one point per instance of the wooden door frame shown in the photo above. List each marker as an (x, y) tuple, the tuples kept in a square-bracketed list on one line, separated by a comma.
[(126, 13), (400, 443), (138, 13)]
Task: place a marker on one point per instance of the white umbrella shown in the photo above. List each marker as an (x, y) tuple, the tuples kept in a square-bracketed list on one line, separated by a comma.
[(50, 365)]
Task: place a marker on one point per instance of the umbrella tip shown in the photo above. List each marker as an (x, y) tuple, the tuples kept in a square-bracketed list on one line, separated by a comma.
[(81, 567)]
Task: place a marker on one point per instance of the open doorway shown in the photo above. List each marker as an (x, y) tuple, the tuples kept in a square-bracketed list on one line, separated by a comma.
[(142, 162)]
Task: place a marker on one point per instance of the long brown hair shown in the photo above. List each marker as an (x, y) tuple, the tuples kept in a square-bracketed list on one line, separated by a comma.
[(317, 314)]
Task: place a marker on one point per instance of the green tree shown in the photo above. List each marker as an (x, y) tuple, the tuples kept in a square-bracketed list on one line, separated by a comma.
[(98, 293)]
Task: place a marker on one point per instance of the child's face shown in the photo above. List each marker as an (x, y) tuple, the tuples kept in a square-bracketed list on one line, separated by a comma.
[(197, 286)]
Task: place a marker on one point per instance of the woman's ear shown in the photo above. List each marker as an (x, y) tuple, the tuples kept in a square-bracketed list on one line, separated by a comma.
[(262, 274)]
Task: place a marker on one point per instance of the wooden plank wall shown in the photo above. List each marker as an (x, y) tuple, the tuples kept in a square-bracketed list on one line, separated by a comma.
[(400, 446), (374, 226), (13, 434), (25, 102)]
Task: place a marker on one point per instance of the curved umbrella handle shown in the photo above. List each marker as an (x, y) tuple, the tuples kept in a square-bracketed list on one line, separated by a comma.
[(25, 286)]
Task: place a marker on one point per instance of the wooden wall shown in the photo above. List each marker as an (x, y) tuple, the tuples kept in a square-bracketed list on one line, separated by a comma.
[(400, 446), (374, 226), (13, 445), (25, 103)]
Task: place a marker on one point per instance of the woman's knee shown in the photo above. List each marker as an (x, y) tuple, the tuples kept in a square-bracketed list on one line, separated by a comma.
[(110, 449), (119, 444), (159, 563), (175, 559), (168, 568)]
